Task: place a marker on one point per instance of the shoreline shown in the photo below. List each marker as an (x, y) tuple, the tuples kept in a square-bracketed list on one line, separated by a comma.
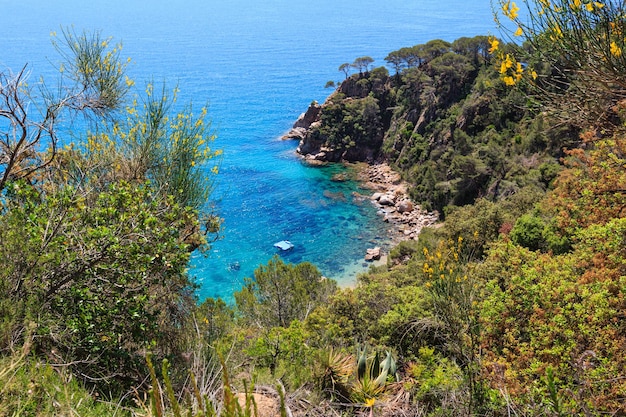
[(389, 192), (390, 196)]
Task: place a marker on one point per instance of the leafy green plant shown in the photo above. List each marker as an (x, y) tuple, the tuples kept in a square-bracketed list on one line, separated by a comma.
[(432, 378), (280, 293), (34, 388), (372, 376), (357, 380)]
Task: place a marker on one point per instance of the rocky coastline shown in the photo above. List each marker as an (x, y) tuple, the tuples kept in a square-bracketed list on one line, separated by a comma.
[(390, 196), (389, 191)]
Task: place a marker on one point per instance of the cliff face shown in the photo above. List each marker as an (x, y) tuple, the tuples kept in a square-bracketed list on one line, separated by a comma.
[(367, 109), (350, 125), (449, 126)]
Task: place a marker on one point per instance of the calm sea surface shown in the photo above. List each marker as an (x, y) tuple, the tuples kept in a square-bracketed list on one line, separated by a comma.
[(258, 65)]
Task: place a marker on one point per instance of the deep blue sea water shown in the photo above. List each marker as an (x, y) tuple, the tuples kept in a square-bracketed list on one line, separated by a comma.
[(258, 65)]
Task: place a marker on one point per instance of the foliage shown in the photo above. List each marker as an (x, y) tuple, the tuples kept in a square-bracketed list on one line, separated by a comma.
[(281, 293), (432, 377), (285, 352), (360, 380), (592, 189), (558, 312), (362, 63), (333, 371), (95, 68), (97, 85), (214, 318), (514, 306), (581, 44), (447, 122), (171, 150), (33, 388), (200, 405), (96, 236), (101, 287), (346, 123)]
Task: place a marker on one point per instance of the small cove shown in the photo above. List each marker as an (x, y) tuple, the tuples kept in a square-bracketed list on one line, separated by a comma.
[(257, 65)]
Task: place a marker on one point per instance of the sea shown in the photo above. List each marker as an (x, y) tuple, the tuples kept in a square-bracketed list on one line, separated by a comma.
[(257, 65)]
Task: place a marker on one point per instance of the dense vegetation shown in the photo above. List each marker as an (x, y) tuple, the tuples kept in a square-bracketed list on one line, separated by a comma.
[(446, 121), (96, 233), (516, 305)]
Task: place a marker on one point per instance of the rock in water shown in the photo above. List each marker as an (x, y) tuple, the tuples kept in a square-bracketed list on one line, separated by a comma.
[(372, 254)]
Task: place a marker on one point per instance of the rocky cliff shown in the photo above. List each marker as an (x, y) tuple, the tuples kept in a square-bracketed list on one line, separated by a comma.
[(448, 125)]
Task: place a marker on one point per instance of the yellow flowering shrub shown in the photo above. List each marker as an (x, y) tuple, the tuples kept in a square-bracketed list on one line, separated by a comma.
[(577, 44)]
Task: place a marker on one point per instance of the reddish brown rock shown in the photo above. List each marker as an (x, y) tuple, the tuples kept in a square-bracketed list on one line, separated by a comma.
[(404, 206)]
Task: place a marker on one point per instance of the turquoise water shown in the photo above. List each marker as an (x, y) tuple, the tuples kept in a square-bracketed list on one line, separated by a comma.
[(258, 65)]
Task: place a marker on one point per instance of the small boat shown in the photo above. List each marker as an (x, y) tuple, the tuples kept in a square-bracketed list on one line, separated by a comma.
[(283, 245)]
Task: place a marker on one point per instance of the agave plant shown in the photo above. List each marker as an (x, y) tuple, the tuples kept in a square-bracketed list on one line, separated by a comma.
[(372, 375), (334, 375), (341, 380)]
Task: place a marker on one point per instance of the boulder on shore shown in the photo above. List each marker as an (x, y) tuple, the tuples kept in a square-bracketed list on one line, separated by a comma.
[(405, 206), (386, 200)]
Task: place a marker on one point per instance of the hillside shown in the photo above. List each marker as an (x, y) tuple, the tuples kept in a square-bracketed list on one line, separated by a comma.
[(449, 125), (514, 305)]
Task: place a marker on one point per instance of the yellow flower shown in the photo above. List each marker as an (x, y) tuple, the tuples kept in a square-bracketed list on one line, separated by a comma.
[(575, 5), (510, 10), (508, 80), (533, 74), (591, 5), (615, 50), (519, 32), (506, 64), (370, 402), (514, 10), (494, 45)]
